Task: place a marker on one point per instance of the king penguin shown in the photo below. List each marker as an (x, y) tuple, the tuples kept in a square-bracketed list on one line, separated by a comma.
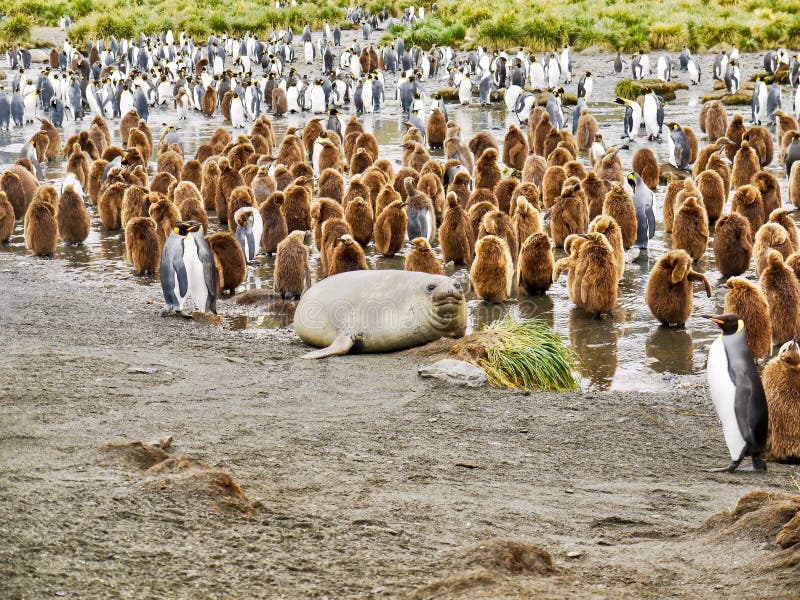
[(249, 227), (679, 152), (187, 266), (737, 394), (633, 117), (643, 203)]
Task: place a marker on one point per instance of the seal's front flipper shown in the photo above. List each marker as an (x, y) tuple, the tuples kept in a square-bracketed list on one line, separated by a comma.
[(341, 345)]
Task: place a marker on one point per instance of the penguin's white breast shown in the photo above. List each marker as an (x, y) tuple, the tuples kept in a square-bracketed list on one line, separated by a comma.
[(723, 394)]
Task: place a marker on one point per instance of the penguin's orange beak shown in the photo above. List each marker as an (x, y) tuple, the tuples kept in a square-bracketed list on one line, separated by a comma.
[(714, 320)]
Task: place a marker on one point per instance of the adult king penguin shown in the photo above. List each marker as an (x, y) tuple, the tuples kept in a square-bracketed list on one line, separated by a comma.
[(737, 393), (187, 266)]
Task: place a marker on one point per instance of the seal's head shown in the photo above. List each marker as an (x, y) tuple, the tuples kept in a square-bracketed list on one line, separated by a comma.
[(448, 305)]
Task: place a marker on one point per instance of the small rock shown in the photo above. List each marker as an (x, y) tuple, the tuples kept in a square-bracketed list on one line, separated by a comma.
[(142, 370), (574, 553), (454, 371), (569, 491), (61, 593)]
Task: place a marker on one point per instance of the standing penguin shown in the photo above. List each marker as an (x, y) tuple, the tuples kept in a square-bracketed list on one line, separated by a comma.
[(187, 266), (249, 229), (633, 117), (643, 203), (679, 152), (737, 393)]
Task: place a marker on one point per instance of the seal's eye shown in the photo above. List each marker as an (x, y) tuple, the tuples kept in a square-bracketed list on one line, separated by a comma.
[(457, 286), (431, 287)]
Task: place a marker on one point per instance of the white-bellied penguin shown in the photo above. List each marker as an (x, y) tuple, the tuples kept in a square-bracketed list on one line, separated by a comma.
[(737, 394), (187, 266)]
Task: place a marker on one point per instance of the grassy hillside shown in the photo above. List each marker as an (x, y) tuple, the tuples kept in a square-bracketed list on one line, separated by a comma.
[(538, 25)]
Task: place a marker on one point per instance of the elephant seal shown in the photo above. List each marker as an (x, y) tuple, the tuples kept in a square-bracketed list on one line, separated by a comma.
[(379, 311)]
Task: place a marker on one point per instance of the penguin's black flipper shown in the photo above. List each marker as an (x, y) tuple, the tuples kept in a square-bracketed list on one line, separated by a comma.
[(210, 274)]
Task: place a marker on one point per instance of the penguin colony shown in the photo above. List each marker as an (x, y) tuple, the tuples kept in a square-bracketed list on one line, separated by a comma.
[(505, 210)]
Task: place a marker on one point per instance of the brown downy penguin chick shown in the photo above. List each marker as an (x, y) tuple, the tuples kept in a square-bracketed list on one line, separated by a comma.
[(533, 121), (455, 233), (78, 165), (431, 185), (587, 130), (747, 300), (128, 121), (189, 203), (735, 132), (712, 189), (570, 264), (138, 140), (400, 178), (646, 165), (297, 207), (690, 231), (782, 218), (515, 148), (596, 291), (291, 151), (770, 190), (476, 214), (669, 288), (229, 179), (618, 205), (311, 131), (673, 189), (40, 228), (48, 193), (770, 236), (40, 143), (487, 172), (527, 220), (330, 157), (530, 192), (436, 129), (482, 141), (793, 262), (702, 158), (610, 228), (170, 162), (229, 260), (165, 214), (292, 272), (559, 157), (353, 125), (280, 105), (374, 179), (162, 182), (135, 203), (110, 206), (716, 120), (347, 255), (595, 190), (12, 186), (691, 138), (96, 180), (786, 123), (492, 272), (745, 165), (535, 167), (689, 190), (142, 245), (358, 215), (760, 139), (553, 183), (535, 269), (782, 389), (209, 102), (192, 170), (782, 290), (356, 189), (390, 229), (733, 245), (53, 139), (420, 211), (387, 195), (503, 191), (275, 229), (460, 187), (543, 129), (331, 185), (241, 197), (575, 168), (422, 259), (551, 142), (568, 215), (72, 218), (609, 167), (332, 229), (208, 186), (370, 143), (361, 161), (717, 164), (569, 142), (747, 202), (499, 224), (794, 184), (7, 218)]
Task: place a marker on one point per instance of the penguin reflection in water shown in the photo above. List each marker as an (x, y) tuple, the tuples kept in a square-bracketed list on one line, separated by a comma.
[(187, 265), (738, 394)]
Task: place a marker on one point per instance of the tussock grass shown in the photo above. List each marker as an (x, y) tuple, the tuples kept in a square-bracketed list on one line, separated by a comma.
[(524, 354)]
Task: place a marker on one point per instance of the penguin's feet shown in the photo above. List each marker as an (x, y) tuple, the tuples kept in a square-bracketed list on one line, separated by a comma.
[(729, 469), (167, 312), (759, 464)]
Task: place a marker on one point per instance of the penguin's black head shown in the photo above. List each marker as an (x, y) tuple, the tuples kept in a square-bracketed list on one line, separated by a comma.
[(187, 227), (619, 100), (729, 324), (632, 181)]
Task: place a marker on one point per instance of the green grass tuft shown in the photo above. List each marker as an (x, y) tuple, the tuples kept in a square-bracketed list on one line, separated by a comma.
[(527, 355), (16, 28)]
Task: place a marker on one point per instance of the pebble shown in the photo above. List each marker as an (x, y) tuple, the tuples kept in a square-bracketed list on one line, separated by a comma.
[(142, 370), (574, 553)]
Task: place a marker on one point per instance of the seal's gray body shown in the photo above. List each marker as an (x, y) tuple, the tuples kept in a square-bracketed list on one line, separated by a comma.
[(379, 311)]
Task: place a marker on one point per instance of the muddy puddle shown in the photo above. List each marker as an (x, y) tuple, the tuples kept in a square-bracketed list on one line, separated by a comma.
[(627, 352)]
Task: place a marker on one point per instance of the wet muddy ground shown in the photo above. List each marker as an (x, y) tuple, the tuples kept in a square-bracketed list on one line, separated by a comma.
[(368, 481)]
